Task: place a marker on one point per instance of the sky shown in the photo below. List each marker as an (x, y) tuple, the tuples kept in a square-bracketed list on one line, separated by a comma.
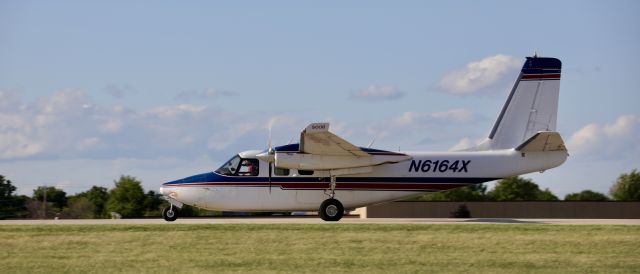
[(161, 90)]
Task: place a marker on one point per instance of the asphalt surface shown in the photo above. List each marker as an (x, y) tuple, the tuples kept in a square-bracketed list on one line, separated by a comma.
[(315, 220)]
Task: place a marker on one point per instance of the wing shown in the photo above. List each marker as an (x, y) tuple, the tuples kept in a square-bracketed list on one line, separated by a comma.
[(322, 150), (316, 139)]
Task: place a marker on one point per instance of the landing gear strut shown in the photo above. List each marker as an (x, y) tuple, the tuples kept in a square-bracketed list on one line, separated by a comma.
[(332, 188), (331, 209), (170, 213)]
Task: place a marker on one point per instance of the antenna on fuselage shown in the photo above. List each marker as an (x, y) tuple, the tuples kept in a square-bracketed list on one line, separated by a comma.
[(371, 143)]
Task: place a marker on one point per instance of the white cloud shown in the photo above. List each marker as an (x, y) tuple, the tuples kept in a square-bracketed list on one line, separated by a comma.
[(478, 75), (377, 93), (419, 130), (613, 140), (111, 126), (18, 145), (462, 144), (222, 139), (623, 126), (68, 125), (89, 143), (209, 93), (176, 111), (457, 116), (466, 143)]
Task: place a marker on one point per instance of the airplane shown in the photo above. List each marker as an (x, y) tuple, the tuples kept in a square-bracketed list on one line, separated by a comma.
[(326, 173)]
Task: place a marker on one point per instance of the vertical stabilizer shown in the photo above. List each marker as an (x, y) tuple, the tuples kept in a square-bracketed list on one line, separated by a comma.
[(532, 105)]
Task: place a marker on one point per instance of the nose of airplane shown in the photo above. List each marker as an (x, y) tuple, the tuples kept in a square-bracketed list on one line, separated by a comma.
[(171, 188), (163, 191)]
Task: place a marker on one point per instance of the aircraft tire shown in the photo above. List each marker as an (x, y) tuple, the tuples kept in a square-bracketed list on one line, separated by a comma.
[(170, 214), (331, 210)]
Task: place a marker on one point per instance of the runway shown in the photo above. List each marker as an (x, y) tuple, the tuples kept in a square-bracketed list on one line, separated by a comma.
[(315, 220)]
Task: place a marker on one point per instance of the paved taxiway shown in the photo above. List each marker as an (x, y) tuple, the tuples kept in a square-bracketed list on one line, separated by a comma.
[(315, 220)]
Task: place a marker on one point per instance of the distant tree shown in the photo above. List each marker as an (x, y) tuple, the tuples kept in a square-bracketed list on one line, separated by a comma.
[(519, 189), (468, 193), (6, 188), (586, 195), (98, 197), (57, 197), (11, 206), (127, 198), (627, 187), (37, 210), (153, 204), (78, 208), (546, 195)]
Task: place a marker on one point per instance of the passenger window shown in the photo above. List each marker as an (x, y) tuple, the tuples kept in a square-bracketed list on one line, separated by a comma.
[(305, 172), (281, 171)]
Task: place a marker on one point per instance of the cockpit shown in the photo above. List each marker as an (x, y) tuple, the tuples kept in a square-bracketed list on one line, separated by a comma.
[(238, 166), (244, 164)]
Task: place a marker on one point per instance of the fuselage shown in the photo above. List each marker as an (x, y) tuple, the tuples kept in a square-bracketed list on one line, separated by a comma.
[(303, 190)]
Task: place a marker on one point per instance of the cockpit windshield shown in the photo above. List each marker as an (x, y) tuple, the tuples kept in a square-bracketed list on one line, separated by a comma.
[(239, 167), (230, 167)]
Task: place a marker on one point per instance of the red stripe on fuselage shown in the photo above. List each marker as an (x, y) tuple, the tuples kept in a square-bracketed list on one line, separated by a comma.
[(344, 186)]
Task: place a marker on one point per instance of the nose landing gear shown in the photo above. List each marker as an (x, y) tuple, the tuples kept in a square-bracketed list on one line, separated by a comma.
[(170, 213)]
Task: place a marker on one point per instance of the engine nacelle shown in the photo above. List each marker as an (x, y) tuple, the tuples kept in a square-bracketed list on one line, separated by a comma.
[(330, 162)]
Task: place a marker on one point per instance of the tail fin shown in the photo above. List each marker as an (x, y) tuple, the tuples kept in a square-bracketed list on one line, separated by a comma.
[(532, 105)]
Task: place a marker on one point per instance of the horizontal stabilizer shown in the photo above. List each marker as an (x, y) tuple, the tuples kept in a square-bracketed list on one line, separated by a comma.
[(543, 141)]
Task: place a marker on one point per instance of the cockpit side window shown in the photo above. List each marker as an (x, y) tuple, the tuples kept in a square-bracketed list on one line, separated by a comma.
[(249, 167)]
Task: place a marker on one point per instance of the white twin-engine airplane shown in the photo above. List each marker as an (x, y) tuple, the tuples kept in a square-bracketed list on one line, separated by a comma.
[(328, 174)]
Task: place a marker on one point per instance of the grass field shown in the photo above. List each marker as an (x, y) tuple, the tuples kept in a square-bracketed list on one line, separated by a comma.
[(324, 248)]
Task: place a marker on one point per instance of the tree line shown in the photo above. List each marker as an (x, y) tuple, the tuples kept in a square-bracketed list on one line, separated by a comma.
[(128, 199), (625, 188)]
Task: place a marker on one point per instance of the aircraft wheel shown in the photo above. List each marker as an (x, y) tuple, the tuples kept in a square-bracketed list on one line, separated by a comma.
[(170, 213), (331, 210)]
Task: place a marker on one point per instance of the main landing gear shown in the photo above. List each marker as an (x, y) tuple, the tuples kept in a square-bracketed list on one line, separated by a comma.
[(331, 209), (170, 213)]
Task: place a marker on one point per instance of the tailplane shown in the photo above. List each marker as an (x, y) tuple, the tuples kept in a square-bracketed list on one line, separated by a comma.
[(532, 105), (543, 141)]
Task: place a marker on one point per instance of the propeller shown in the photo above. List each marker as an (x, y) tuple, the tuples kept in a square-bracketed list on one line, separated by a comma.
[(269, 156)]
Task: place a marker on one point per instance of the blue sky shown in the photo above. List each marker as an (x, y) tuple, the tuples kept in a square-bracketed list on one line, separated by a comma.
[(161, 90)]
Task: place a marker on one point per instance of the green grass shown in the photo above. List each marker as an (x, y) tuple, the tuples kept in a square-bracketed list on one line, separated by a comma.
[(323, 248)]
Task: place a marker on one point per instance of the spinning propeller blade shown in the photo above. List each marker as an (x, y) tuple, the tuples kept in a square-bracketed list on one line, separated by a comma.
[(271, 153)]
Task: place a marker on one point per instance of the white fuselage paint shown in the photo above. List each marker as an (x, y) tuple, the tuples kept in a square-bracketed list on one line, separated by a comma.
[(239, 196)]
